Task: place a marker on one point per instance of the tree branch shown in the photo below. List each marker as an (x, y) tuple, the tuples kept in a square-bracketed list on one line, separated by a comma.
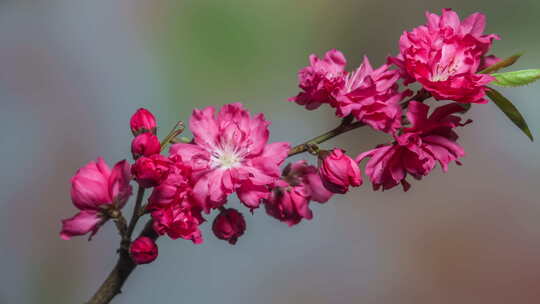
[(121, 271), (346, 126), (136, 213)]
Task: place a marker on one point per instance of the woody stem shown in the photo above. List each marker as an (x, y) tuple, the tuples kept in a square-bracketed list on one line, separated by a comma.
[(346, 126), (121, 271), (136, 213)]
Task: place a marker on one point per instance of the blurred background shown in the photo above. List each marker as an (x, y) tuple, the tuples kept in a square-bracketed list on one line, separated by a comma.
[(72, 73)]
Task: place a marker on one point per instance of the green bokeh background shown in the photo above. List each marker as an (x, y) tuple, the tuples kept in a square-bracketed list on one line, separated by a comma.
[(72, 73)]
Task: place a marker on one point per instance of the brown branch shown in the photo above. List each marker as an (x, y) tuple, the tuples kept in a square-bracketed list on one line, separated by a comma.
[(346, 126), (125, 265), (136, 213), (118, 276)]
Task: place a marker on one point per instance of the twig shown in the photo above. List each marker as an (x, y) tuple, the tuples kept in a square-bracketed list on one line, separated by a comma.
[(121, 271), (136, 213), (346, 126)]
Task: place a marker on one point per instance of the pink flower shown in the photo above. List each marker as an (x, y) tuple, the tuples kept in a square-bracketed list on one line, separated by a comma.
[(95, 185), (301, 172), (143, 121), (372, 97), (176, 188), (151, 171), (338, 171), (289, 204), (289, 199), (172, 206), (321, 79), (143, 250), (418, 148), (230, 152), (145, 144), (252, 195), (229, 225), (94, 188), (178, 220), (444, 56)]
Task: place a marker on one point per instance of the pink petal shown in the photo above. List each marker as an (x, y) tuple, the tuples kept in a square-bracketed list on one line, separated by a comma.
[(80, 224), (119, 186), (89, 186), (204, 127)]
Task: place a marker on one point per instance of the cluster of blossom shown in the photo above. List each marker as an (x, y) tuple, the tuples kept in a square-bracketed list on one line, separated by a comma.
[(230, 153), (445, 57)]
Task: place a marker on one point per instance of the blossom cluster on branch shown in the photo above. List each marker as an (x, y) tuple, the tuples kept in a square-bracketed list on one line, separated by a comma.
[(230, 152)]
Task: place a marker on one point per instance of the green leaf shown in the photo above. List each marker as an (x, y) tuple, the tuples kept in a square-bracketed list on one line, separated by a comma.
[(516, 78), (501, 64), (510, 111)]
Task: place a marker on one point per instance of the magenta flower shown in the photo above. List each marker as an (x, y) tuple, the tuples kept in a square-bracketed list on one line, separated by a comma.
[(173, 209), (289, 204), (321, 80), (143, 121), (229, 225), (338, 171), (175, 188), (178, 220), (94, 188), (143, 250), (290, 197), (444, 56), (372, 97), (145, 144), (418, 148), (151, 171), (230, 152)]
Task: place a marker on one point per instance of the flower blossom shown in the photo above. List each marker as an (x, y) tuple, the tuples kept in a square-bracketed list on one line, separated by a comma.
[(171, 204), (417, 149), (143, 121), (178, 220), (230, 152), (291, 195), (445, 55), (321, 79), (145, 144), (151, 171), (94, 189), (229, 225), (338, 171), (177, 185), (370, 95), (143, 250)]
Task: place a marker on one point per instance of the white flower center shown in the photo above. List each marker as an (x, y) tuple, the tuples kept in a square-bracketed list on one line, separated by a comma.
[(226, 158)]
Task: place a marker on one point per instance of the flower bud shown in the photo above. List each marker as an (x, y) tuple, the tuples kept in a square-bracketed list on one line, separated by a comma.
[(151, 171), (143, 250), (142, 121), (229, 225), (338, 171), (289, 204), (145, 144)]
